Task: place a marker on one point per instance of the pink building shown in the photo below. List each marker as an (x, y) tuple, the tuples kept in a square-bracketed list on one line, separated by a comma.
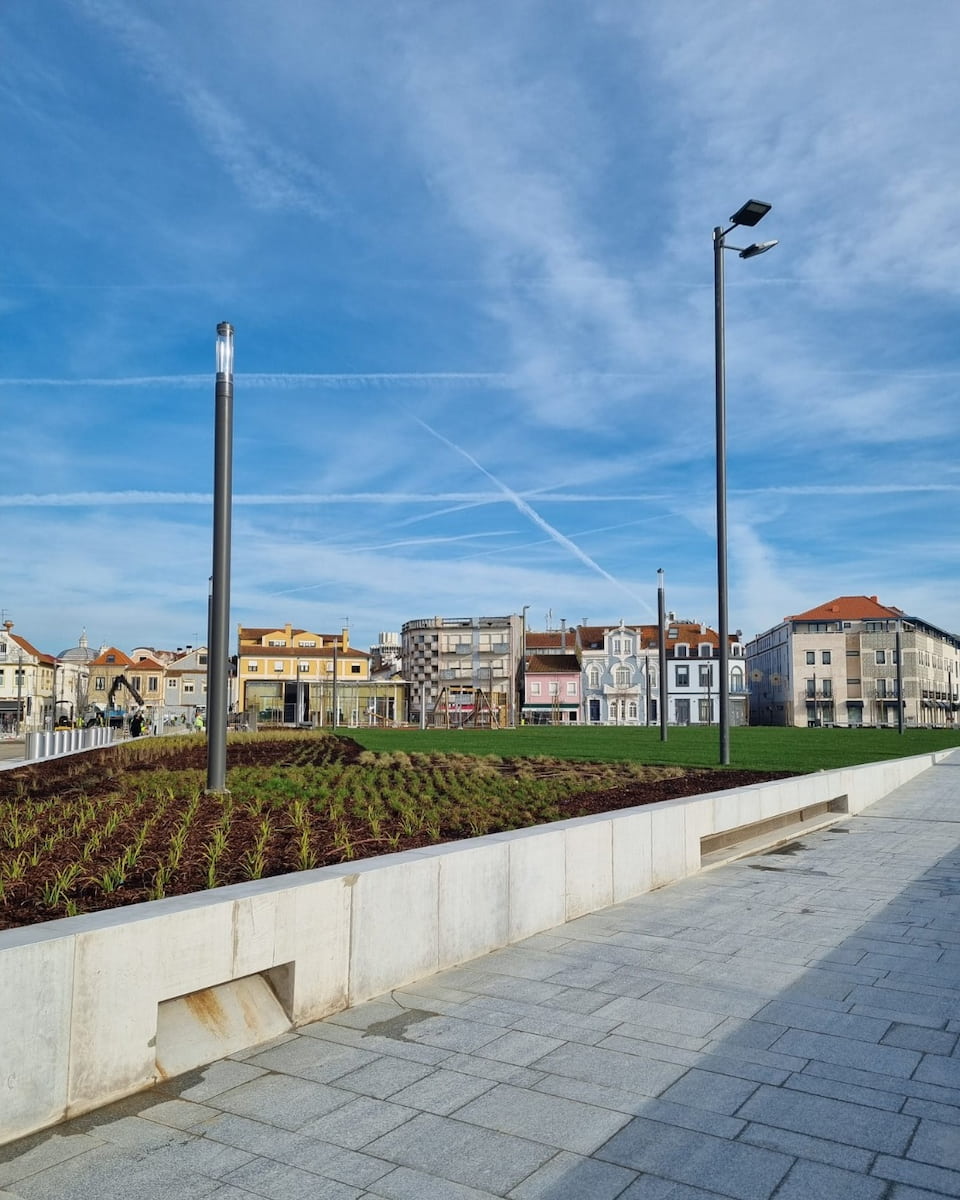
[(552, 694)]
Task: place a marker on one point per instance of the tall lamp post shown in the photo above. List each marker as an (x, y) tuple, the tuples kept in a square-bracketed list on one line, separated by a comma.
[(523, 662), (662, 652), (219, 619), (748, 216)]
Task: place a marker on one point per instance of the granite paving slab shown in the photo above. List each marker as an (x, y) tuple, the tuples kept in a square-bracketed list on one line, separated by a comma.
[(783, 1027)]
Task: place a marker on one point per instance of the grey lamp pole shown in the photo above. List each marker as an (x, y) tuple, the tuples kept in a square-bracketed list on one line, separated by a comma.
[(748, 215), (219, 621), (523, 660), (662, 640)]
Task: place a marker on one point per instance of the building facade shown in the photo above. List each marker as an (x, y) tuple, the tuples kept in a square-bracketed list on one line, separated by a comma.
[(621, 666), (27, 684), (462, 670), (288, 676), (854, 662), (184, 685), (120, 687), (552, 690)]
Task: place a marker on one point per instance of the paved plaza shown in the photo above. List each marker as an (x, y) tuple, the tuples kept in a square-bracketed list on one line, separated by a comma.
[(784, 1026)]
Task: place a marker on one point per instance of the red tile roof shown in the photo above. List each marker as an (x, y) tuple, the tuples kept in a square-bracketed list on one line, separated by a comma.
[(30, 648), (690, 632), (119, 658), (545, 664), (553, 639), (847, 608)]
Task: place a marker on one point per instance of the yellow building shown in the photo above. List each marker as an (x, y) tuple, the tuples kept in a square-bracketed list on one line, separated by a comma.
[(290, 676)]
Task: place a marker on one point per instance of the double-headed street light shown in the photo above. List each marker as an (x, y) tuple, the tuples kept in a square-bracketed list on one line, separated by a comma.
[(747, 216)]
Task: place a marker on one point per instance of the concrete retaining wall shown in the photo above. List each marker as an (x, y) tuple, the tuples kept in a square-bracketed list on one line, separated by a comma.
[(81, 998)]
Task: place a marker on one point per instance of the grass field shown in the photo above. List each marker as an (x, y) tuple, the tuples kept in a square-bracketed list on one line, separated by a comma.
[(760, 749)]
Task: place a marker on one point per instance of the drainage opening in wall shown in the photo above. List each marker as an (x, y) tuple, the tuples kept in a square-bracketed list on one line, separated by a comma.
[(208, 1024), (759, 835)]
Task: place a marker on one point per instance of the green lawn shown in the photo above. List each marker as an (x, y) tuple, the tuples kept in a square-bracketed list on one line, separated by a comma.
[(761, 749)]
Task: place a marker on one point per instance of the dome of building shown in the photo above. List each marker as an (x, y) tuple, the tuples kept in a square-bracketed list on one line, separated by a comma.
[(80, 653)]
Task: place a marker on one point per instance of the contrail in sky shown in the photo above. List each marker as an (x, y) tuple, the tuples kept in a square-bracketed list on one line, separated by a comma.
[(533, 515)]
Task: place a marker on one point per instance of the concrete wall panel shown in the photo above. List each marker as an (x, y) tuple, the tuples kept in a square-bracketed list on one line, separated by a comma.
[(474, 910), (537, 880), (632, 838), (394, 926), (668, 843), (36, 1002), (588, 853)]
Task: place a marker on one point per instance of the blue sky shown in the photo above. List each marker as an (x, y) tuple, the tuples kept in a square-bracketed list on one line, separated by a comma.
[(467, 249)]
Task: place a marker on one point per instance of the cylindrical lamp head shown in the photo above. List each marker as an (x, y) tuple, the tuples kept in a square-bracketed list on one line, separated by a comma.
[(225, 349)]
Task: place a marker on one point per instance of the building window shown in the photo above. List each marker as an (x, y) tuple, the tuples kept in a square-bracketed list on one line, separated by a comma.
[(827, 687), (811, 657), (632, 710), (617, 646), (153, 684), (171, 683), (100, 683), (305, 643), (534, 689), (621, 677), (554, 689), (825, 657), (303, 667), (683, 678), (706, 676), (188, 686), (881, 656), (811, 687), (681, 650), (354, 668), (202, 660), (276, 643), (277, 666), (706, 712), (593, 677), (571, 688), (253, 668)]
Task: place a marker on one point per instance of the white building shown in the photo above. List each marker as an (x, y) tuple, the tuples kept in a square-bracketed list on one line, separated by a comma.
[(621, 674)]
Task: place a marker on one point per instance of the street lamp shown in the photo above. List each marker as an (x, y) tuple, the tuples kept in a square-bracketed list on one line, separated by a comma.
[(662, 652), (523, 660), (219, 617), (748, 215)]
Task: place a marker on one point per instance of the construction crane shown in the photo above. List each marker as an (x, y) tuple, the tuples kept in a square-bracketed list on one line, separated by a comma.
[(122, 681)]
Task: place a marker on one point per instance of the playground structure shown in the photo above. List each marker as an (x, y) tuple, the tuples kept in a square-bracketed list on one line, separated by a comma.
[(468, 708)]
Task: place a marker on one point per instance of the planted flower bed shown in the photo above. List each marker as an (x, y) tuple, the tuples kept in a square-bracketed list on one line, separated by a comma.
[(133, 822)]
